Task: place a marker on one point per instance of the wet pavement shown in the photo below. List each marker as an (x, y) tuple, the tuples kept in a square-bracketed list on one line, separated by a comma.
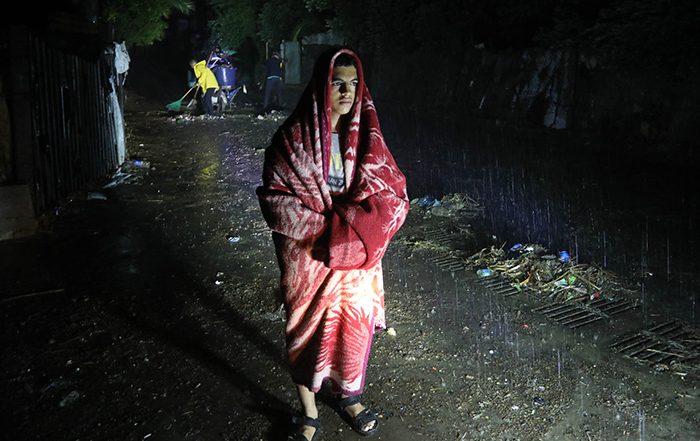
[(152, 313)]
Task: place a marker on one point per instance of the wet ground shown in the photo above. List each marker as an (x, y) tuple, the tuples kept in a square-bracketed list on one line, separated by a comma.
[(153, 314)]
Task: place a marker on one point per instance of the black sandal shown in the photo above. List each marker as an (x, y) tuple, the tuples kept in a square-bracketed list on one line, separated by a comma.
[(300, 422), (362, 419)]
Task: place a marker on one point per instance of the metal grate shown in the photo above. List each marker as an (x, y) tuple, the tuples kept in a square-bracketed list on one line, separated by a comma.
[(578, 314), (448, 262), (443, 237), (501, 286), (664, 344)]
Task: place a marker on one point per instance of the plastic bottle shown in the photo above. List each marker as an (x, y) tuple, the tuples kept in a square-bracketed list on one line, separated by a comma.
[(484, 272)]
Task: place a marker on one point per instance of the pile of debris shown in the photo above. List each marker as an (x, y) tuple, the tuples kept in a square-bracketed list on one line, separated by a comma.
[(558, 277), (450, 205)]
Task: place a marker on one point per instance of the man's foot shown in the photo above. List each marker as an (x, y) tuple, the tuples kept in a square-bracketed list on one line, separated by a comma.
[(306, 428), (362, 420)]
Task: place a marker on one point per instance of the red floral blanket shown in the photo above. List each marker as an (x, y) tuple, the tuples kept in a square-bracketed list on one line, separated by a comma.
[(330, 247)]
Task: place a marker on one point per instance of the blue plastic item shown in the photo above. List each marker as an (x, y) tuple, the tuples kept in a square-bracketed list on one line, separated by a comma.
[(427, 201), (516, 247), (484, 272), (225, 76), (564, 256)]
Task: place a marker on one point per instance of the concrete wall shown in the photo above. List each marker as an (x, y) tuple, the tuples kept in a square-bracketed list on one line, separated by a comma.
[(16, 212)]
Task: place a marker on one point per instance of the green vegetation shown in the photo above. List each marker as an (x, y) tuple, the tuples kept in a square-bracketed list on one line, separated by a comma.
[(142, 22), (658, 34)]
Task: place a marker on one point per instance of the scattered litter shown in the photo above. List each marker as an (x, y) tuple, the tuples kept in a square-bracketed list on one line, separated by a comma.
[(391, 332), (559, 278), (118, 178), (277, 316), (69, 399), (450, 205), (272, 116), (93, 195), (484, 272), (129, 172), (141, 163), (425, 202), (182, 119), (232, 238)]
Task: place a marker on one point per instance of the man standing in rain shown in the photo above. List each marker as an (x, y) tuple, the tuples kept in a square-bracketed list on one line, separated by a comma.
[(207, 82), (333, 196), (273, 82)]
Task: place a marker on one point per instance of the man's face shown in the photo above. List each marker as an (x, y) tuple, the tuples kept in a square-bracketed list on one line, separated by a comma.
[(343, 87)]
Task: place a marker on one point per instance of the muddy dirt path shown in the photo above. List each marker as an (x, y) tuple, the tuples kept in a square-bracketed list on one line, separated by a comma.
[(155, 315)]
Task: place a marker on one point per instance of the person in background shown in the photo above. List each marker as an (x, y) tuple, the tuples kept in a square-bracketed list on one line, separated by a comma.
[(333, 197), (273, 82), (207, 82)]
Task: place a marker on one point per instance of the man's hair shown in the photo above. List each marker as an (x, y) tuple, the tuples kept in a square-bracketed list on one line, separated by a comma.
[(345, 60)]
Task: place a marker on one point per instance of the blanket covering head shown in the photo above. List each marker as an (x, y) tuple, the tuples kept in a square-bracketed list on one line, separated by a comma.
[(329, 247)]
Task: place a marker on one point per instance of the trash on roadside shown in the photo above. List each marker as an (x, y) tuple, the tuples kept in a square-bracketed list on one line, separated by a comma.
[(141, 163), (118, 178), (460, 202), (450, 205), (69, 399), (529, 265), (277, 316), (564, 256), (182, 119), (425, 201), (96, 196), (484, 272), (391, 332)]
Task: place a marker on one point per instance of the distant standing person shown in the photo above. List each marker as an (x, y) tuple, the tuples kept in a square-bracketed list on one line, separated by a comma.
[(333, 196), (207, 82), (273, 81)]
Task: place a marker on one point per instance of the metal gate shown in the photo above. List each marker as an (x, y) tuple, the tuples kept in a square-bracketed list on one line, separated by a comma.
[(74, 138)]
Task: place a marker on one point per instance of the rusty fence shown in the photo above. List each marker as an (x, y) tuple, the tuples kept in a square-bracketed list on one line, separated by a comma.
[(74, 134)]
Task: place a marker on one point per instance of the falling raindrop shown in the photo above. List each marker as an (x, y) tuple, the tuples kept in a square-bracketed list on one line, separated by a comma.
[(668, 259), (559, 366), (605, 254), (641, 416), (645, 306)]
